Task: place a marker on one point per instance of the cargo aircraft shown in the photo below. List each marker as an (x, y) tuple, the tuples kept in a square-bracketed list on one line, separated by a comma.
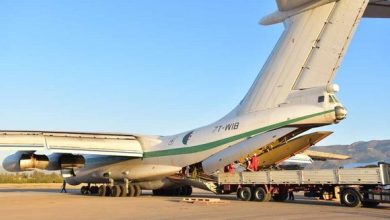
[(294, 92)]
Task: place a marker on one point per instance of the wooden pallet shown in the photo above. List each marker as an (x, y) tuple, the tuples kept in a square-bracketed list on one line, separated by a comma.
[(203, 201)]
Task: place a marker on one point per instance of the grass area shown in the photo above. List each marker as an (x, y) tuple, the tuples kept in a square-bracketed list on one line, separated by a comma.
[(32, 177)]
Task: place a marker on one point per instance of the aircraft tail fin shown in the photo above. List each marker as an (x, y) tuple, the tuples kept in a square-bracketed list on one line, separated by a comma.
[(308, 53)]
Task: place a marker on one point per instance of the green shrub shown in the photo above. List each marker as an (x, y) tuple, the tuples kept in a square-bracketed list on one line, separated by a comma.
[(30, 177)]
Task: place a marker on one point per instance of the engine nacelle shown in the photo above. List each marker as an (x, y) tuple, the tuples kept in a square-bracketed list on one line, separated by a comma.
[(69, 161), (25, 161), (65, 161)]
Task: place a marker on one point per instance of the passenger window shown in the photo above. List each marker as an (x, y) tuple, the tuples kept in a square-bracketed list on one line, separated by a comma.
[(321, 99)]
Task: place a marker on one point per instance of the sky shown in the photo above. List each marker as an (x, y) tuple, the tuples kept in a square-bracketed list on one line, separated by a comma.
[(162, 67)]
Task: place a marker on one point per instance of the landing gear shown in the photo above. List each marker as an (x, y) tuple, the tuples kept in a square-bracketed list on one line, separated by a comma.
[(123, 191), (102, 191), (114, 190), (108, 191), (137, 191), (130, 190), (180, 191), (94, 190), (84, 190)]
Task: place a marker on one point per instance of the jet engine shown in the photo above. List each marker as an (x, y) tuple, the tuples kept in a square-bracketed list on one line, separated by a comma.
[(65, 161), (25, 161)]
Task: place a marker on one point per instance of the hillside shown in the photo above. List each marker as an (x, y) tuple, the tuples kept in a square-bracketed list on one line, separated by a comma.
[(360, 152)]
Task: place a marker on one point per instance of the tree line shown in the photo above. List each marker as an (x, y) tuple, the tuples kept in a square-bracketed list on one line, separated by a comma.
[(30, 177)]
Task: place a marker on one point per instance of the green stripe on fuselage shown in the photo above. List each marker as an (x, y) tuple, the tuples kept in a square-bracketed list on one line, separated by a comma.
[(211, 145)]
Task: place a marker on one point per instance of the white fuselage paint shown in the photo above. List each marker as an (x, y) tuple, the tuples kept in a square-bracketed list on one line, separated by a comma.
[(160, 163)]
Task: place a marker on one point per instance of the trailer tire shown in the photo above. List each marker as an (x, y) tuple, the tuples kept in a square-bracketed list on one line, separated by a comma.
[(351, 198), (260, 195), (370, 204), (244, 194)]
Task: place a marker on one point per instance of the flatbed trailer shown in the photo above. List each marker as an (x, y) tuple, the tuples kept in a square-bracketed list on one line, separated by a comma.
[(355, 187)]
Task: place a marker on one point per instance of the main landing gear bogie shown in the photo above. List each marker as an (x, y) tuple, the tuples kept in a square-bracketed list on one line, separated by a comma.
[(180, 191), (116, 190)]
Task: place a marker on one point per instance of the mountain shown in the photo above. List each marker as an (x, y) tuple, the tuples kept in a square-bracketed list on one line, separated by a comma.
[(360, 152)]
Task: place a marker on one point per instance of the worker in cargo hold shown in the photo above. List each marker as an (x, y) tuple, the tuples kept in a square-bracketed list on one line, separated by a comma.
[(255, 162), (248, 164), (230, 168)]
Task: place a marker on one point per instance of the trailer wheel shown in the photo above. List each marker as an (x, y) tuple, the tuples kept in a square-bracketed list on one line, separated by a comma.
[(244, 194), (260, 195), (351, 198), (238, 193), (370, 204)]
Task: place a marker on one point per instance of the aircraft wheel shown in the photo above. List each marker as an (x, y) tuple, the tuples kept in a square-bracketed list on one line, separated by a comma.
[(137, 190), (84, 190), (178, 191), (260, 195), (245, 194), (102, 191), (94, 190), (157, 192), (131, 190), (123, 191), (116, 191), (108, 191), (187, 190)]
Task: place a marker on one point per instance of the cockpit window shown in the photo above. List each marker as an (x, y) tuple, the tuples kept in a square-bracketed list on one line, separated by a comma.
[(321, 99), (332, 99)]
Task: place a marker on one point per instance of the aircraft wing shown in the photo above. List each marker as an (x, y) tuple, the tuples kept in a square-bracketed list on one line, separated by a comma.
[(72, 143), (378, 9)]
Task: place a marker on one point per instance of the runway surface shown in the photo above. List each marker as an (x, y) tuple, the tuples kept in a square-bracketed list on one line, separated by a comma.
[(43, 201)]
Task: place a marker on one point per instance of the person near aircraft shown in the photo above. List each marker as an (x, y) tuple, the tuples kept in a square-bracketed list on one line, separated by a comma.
[(291, 195), (255, 163), (63, 190), (248, 164)]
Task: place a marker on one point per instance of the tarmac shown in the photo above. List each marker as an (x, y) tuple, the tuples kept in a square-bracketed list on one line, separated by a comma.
[(43, 201)]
